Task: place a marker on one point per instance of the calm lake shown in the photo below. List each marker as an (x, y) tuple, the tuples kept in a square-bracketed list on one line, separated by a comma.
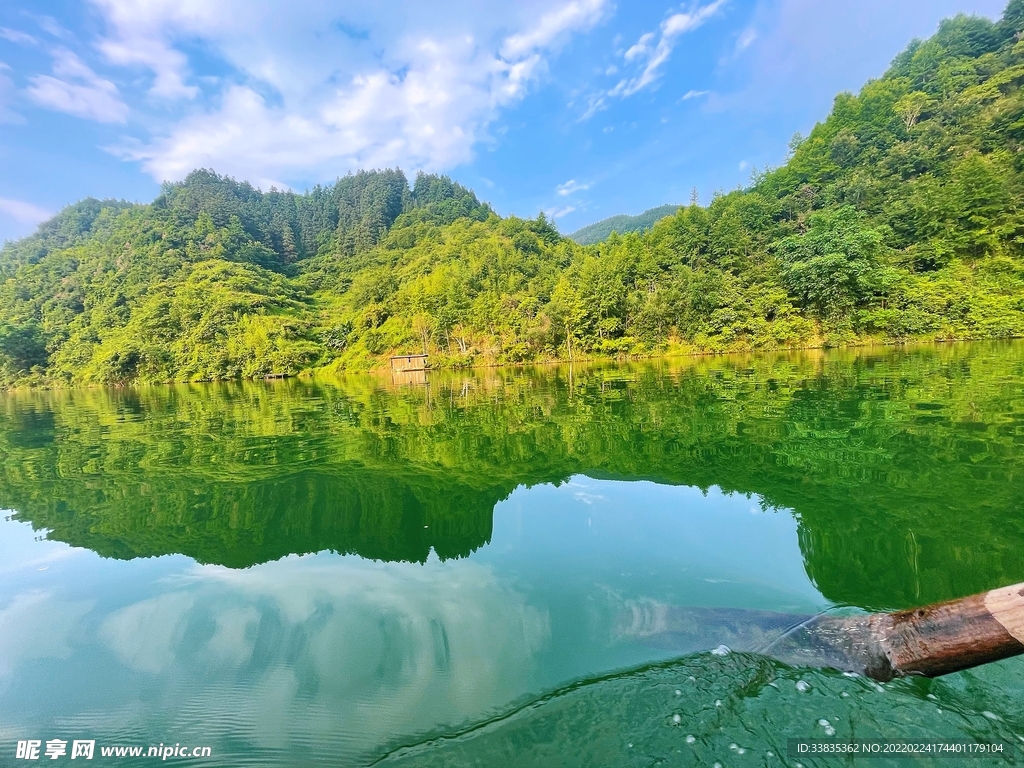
[(521, 567)]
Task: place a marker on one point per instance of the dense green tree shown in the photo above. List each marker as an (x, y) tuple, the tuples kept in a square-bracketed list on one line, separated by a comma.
[(22, 347), (832, 266)]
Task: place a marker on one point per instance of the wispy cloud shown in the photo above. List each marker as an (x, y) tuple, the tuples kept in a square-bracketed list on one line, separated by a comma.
[(53, 27), (748, 36), (642, 47), (22, 212), (557, 213), (17, 36), (139, 36), (694, 95), (594, 105), (653, 55), (575, 15), (570, 187), (649, 54), (77, 90), (169, 66)]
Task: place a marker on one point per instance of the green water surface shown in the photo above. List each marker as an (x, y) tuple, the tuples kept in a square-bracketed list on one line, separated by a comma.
[(521, 567)]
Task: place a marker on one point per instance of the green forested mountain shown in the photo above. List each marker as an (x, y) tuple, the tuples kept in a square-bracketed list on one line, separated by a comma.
[(623, 224), (899, 217)]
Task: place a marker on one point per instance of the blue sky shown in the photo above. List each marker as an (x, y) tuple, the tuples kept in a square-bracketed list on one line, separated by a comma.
[(580, 108)]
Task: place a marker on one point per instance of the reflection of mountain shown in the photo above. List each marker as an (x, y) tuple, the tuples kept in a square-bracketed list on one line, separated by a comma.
[(906, 470), (350, 509)]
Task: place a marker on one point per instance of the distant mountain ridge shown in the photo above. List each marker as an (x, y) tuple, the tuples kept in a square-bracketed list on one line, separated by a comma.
[(622, 223)]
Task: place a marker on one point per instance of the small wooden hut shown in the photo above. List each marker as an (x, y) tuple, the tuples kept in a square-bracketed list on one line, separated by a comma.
[(406, 363)]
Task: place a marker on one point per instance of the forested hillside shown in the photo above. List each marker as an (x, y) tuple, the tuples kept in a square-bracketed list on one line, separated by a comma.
[(623, 224), (899, 217)]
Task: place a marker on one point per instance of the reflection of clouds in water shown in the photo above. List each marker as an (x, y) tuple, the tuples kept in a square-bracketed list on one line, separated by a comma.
[(232, 638), (273, 712), (23, 549), (36, 625), (584, 494), (289, 651), (143, 635), (57, 554)]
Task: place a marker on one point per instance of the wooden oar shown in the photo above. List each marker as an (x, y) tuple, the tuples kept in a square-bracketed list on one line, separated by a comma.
[(931, 641), (951, 636)]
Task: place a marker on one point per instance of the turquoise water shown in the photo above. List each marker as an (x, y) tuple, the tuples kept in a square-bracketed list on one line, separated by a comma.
[(508, 567)]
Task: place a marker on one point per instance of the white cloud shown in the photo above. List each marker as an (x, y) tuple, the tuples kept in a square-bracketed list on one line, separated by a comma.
[(576, 15), (22, 212), (168, 65), (52, 27), (77, 90), (556, 213), (745, 39), (17, 36), (649, 55), (594, 105), (641, 48), (429, 117), (654, 56), (570, 187), (744, 165), (694, 95), (314, 90)]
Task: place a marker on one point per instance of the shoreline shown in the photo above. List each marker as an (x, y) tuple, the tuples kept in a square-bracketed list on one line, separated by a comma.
[(323, 372)]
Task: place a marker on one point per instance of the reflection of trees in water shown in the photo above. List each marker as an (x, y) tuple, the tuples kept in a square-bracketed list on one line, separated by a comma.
[(353, 510), (871, 449)]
